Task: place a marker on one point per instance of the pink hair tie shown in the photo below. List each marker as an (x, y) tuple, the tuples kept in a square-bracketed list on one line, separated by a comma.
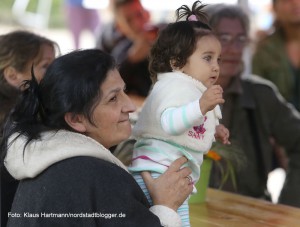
[(192, 18)]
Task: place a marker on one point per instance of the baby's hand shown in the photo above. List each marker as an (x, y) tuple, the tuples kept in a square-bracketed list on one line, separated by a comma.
[(210, 98), (222, 134)]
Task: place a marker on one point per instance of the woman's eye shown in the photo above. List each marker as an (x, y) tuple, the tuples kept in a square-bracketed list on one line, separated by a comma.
[(113, 99)]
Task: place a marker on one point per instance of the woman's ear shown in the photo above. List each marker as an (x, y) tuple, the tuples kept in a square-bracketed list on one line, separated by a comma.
[(11, 76), (76, 122)]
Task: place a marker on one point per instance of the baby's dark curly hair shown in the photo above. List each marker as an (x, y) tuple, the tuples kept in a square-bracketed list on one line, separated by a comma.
[(178, 40)]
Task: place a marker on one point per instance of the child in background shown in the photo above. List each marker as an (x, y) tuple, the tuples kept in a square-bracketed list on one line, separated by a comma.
[(181, 114)]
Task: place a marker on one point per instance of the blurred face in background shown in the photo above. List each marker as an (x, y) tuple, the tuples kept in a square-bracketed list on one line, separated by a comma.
[(233, 38), (287, 11), (132, 19), (40, 63), (43, 60)]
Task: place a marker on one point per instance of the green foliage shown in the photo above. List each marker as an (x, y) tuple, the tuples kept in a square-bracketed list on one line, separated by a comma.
[(5, 12), (56, 16), (232, 159)]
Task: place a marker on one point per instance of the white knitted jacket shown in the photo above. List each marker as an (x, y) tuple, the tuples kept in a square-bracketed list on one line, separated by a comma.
[(173, 89)]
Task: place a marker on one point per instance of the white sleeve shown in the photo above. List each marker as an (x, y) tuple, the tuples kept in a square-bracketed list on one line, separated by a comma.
[(166, 215), (175, 121)]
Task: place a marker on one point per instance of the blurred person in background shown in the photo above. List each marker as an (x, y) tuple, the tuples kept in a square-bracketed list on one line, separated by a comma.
[(277, 56), (128, 39), (253, 111), (20, 50), (80, 18)]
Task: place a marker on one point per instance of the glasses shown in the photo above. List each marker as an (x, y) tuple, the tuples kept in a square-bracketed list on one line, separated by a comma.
[(240, 41)]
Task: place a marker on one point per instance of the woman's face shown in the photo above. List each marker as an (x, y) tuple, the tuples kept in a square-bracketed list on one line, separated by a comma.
[(232, 36), (287, 11), (132, 19), (43, 60), (111, 114)]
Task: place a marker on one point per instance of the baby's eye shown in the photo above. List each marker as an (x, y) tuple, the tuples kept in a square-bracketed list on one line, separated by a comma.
[(207, 58), (219, 60)]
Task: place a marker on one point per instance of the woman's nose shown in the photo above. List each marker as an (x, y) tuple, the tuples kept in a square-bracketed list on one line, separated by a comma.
[(129, 106)]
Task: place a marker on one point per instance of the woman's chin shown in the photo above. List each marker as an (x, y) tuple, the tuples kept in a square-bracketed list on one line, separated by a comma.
[(125, 129)]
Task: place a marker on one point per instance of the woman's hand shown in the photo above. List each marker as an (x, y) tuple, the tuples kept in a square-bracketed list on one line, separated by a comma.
[(173, 187)]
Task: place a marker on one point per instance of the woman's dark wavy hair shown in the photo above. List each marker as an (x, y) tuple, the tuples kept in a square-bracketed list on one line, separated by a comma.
[(71, 85), (178, 40)]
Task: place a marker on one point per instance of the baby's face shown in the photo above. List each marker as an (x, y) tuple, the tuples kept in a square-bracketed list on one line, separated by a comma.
[(203, 64)]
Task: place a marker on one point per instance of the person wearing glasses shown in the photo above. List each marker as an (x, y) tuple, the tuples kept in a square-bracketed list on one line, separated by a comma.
[(253, 111)]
